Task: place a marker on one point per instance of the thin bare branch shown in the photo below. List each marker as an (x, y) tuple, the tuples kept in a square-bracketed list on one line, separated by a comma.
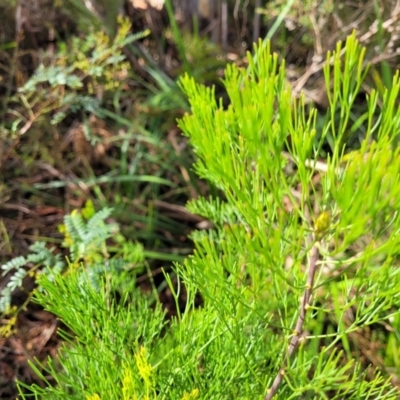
[(304, 304)]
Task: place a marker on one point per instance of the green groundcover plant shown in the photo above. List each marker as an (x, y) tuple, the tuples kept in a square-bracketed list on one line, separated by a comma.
[(303, 259)]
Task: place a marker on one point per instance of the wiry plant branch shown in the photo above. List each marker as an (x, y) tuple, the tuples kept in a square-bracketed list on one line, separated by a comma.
[(305, 302)]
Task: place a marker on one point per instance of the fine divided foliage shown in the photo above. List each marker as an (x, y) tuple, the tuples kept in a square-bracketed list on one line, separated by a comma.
[(77, 78), (311, 257), (302, 262)]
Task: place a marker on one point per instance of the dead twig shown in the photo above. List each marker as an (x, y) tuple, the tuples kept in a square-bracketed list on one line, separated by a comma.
[(305, 303), (318, 64)]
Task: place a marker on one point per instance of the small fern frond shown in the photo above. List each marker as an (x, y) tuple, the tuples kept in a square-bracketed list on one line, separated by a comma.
[(14, 283), (41, 254), (15, 263), (5, 299), (98, 219), (76, 226), (16, 279)]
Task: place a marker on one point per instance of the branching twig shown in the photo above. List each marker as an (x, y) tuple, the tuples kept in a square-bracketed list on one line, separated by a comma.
[(305, 302), (318, 65)]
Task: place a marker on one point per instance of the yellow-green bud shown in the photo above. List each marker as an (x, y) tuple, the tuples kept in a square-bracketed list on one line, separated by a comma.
[(323, 222)]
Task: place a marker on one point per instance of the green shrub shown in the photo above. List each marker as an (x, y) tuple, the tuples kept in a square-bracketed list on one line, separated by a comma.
[(76, 78), (304, 256)]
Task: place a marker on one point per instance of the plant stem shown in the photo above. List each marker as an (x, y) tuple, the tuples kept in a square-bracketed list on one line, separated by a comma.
[(305, 302)]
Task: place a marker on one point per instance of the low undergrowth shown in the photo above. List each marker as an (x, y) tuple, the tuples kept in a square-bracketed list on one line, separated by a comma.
[(301, 264)]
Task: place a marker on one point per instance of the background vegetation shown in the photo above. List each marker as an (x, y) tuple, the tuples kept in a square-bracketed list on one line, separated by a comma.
[(89, 107)]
